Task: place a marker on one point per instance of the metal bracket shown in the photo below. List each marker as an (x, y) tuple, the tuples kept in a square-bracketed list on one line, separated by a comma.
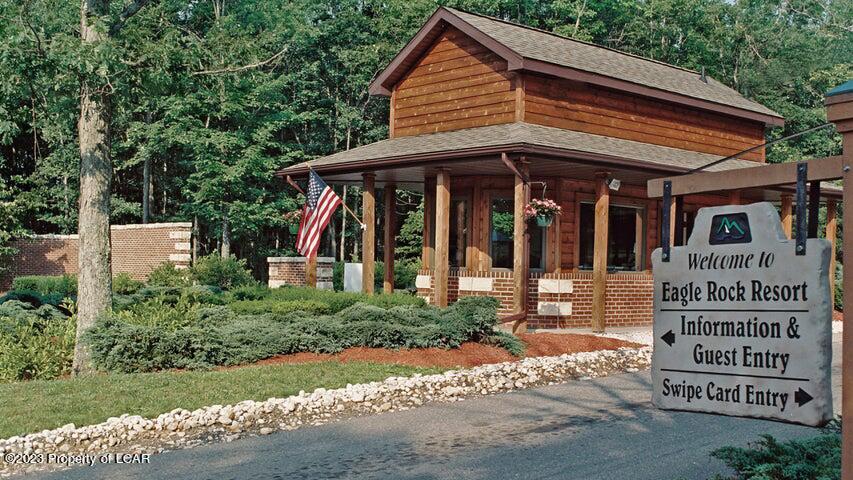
[(664, 223), (802, 232)]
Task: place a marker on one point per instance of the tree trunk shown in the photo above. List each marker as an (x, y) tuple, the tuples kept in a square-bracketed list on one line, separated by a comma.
[(95, 277), (146, 189), (226, 238), (195, 240)]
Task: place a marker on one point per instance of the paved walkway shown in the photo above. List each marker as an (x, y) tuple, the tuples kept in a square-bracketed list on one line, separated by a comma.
[(598, 429)]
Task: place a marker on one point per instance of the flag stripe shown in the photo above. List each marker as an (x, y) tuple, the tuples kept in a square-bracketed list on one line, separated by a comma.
[(321, 204)]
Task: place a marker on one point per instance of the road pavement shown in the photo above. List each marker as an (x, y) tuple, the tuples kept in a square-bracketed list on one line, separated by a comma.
[(595, 429)]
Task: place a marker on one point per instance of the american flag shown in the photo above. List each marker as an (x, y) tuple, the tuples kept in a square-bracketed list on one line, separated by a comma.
[(322, 202)]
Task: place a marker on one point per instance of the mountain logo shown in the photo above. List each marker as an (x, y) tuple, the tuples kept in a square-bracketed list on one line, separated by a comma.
[(730, 228)]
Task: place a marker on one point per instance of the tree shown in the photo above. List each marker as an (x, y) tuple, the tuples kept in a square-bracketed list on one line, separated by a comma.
[(94, 285)]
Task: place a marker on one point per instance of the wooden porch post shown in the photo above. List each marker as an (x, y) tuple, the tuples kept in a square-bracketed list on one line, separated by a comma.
[(831, 234), (520, 249), (442, 236), (839, 110), (787, 218), (390, 239), (429, 214), (599, 255), (368, 235)]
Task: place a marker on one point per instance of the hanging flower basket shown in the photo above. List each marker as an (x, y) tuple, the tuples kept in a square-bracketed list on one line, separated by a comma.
[(543, 210), (544, 220)]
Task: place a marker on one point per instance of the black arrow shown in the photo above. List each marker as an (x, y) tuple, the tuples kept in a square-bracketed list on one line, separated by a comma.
[(801, 397), (668, 337)]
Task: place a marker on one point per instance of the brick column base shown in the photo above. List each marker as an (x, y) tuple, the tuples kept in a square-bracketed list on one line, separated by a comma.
[(291, 271)]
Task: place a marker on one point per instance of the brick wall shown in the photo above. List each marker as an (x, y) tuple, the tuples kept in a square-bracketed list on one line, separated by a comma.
[(291, 271), (136, 250), (556, 300)]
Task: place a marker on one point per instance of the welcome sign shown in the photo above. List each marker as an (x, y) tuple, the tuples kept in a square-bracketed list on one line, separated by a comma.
[(742, 324)]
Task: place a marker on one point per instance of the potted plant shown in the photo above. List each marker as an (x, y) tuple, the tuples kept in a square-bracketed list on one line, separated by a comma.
[(543, 210), (293, 219)]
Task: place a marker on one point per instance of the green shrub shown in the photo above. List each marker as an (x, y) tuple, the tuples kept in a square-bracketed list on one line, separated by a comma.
[(221, 272), (65, 285), (167, 275), (34, 298), (26, 311), (338, 301), (35, 348), (800, 459), (123, 347), (145, 338), (278, 307), (252, 291), (124, 284), (158, 312)]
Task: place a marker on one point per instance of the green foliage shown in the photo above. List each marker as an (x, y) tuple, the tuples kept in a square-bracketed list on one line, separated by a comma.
[(34, 298), (278, 307), (801, 459), (35, 347), (338, 301), (167, 275), (124, 284), (65, 285), (224, 273), (140, 339), (24, 311), (253, 291)]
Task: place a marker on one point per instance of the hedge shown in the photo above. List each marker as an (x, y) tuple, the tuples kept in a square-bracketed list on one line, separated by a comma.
[(220, 336), (64, 285)]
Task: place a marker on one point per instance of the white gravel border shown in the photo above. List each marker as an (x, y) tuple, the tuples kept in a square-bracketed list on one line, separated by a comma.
[(183, 428)]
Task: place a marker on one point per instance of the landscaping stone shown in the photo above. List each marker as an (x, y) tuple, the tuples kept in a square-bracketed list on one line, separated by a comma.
[(183, 429)]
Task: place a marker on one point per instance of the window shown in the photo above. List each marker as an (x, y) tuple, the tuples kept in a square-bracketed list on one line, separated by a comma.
[(500, 237), (458, 236), (459, 209), (625, 235)]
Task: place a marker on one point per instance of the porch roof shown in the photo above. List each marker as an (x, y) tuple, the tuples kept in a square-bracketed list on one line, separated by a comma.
[(477, 149), (510, 138)]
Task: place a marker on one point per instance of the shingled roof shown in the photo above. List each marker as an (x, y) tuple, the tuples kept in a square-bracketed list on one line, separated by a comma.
[(526, 48), (524, 137)]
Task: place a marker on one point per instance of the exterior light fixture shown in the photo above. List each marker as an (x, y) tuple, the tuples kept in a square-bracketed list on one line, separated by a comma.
[(614, 183)]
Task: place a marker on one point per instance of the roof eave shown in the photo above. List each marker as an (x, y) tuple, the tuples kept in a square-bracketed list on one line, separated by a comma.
[(388, 77), (569, 73), (466, 154)]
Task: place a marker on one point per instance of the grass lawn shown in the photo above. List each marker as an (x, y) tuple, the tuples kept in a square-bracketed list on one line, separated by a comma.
[(28, 407)]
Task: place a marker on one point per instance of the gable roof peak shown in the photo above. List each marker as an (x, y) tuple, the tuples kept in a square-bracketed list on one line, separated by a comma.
[(529, 49), (458, 11)]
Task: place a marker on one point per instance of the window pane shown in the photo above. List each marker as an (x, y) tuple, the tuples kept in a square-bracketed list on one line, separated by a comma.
[(501, 237), (501, 234), (622, 238), (458, 218), (587, 235)]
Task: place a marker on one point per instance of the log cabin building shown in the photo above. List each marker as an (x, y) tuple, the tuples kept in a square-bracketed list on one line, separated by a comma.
[(485, 114)]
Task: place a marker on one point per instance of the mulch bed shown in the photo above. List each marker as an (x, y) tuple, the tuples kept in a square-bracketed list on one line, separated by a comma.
[(470, 354)]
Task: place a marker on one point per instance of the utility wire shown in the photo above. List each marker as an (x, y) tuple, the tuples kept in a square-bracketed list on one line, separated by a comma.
[(771, 142)]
